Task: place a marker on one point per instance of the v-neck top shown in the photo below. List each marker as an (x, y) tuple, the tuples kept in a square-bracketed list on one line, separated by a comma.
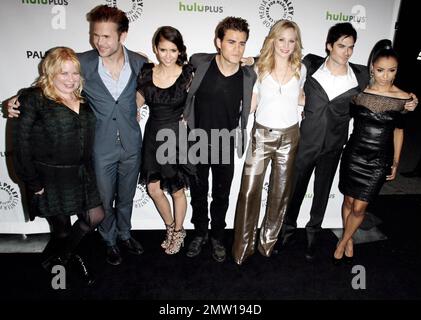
[(277, 105), (218, 101)]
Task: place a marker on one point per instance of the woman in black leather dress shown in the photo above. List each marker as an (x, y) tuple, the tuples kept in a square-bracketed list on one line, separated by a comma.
[(372, 153)]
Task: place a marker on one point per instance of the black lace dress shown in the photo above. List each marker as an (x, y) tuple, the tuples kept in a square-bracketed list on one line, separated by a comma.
[(165, 161), (368, 155)]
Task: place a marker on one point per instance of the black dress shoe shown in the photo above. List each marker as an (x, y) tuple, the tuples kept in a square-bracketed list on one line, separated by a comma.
[(113, 255), (81, 268), (287, 236), (411, 174), (276, 251), (278, 248), (218, 250), (132, 246), (310, 253), (195, 247), (311, 250)]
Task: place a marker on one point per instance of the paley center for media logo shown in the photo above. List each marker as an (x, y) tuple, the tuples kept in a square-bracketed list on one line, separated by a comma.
[(35, 54), (271, 11), (141, 197), (358, 16), (199, 7), (9, 197), (132, 8)]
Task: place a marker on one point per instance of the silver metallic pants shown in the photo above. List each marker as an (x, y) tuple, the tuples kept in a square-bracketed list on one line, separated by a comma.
[(279, 147)]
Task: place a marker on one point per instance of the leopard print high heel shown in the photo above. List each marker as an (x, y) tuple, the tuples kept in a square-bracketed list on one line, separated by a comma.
[(177, 241), (170, 230)]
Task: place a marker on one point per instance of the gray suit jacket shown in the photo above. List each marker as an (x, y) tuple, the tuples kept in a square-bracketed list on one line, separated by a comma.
[(201, 63), (112, 116)]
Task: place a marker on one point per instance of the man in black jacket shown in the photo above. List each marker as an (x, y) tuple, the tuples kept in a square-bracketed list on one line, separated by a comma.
[(219, 100), (331, 83)]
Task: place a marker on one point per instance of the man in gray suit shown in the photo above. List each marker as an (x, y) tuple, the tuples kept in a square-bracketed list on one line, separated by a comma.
[(110, 72), (219, 98)]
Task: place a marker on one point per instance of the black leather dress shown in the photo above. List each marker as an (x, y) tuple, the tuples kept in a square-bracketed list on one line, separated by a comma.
[(368, 155)]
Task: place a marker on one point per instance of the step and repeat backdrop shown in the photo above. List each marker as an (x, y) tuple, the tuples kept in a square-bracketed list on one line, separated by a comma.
[(29, 28)]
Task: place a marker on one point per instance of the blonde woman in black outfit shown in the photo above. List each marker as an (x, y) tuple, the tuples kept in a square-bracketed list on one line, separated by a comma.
[(53, 139)]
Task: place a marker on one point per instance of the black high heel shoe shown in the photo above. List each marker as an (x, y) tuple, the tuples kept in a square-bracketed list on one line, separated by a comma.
[(348, 260), (336, 261)]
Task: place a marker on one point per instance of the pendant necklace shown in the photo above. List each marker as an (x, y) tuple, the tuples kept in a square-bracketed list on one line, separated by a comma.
[(283, 78)]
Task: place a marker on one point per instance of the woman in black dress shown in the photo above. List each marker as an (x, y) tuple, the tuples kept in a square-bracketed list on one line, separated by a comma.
[(372, 153), (53, 140), (165, 167)]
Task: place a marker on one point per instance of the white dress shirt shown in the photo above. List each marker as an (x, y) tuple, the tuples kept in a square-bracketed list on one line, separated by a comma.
[(335, 85)]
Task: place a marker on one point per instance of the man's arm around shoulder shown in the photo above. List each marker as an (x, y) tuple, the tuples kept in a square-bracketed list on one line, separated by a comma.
[(199, 58)]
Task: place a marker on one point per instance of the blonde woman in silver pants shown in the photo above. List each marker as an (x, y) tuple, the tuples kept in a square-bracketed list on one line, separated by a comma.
[(274, 139)]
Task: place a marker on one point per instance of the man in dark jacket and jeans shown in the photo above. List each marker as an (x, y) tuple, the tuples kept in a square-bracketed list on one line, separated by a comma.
[(219, 99)]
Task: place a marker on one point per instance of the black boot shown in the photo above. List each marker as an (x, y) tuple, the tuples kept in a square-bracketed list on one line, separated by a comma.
[(52, 261), (81, 268)]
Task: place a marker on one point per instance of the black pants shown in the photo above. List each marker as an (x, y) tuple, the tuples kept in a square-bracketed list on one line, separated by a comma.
[(222, 175), (325, 166)]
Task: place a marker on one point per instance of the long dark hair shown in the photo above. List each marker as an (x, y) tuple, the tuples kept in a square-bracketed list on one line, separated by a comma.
[(171, 34), (383, 48)]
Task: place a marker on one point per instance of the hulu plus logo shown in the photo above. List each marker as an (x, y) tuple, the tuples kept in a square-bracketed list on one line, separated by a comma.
[(47, 2), (357, 18), (198, 7), (58, 10)]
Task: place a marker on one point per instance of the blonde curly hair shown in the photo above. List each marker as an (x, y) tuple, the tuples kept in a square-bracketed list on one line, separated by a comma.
[(266, 62), (51, 66)]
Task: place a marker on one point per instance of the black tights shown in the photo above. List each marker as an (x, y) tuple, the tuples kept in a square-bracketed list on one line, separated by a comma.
[(65, 238)]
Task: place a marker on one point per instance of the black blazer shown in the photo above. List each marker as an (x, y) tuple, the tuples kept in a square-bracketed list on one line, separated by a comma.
[(326, 122), (201, 63)]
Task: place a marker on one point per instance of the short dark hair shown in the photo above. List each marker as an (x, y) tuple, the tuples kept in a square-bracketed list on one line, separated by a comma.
[(104, 13), (339, 30), (172, 35), (231, 23)]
